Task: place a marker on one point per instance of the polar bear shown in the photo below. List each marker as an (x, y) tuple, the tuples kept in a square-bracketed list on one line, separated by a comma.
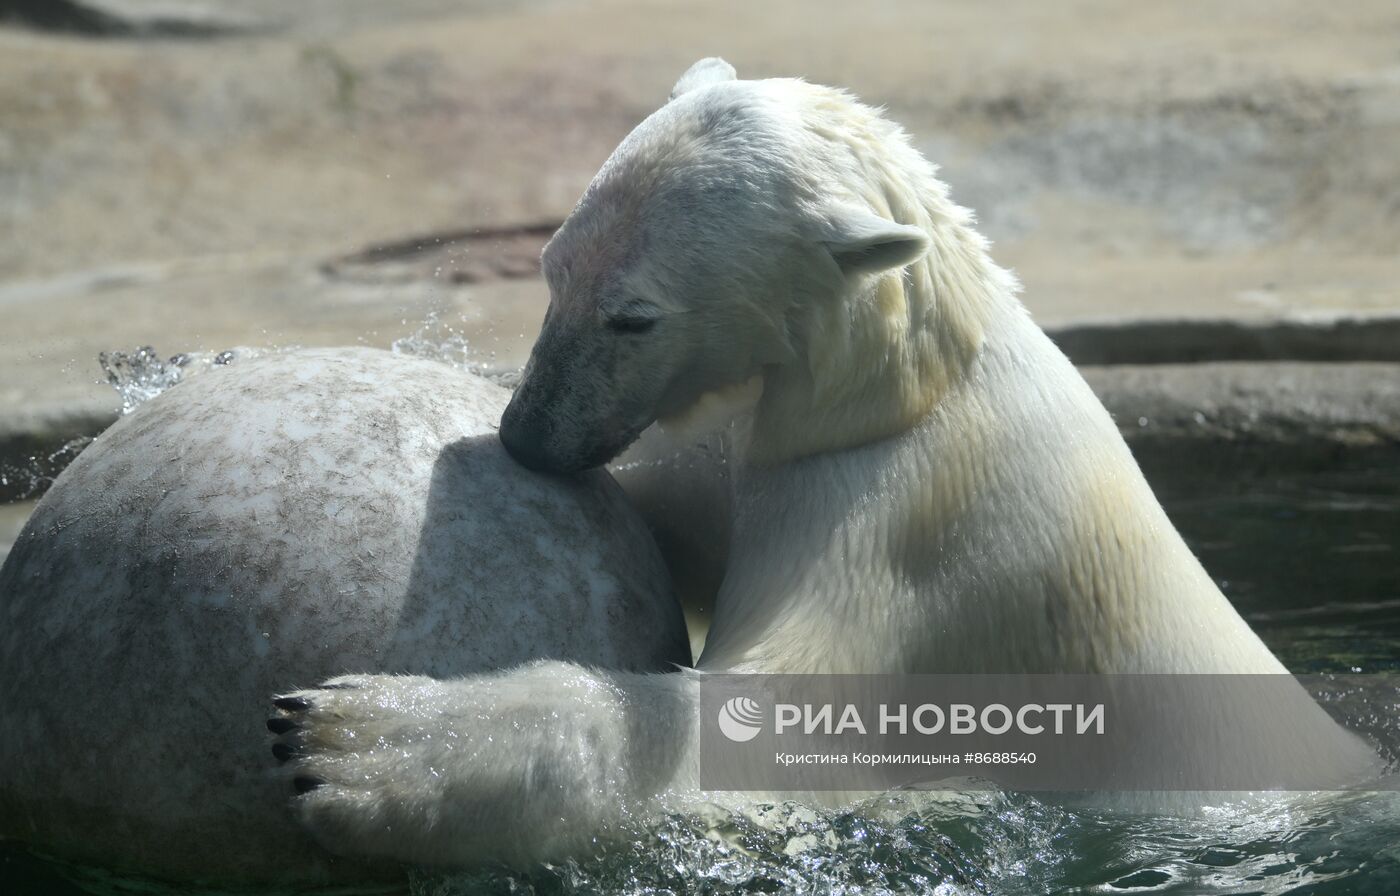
[(921, 481)]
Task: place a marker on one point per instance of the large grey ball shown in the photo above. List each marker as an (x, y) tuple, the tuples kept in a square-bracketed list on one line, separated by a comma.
[(269, 525)]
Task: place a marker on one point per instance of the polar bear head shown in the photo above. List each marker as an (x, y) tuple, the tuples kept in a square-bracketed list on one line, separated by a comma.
[(719, 243)]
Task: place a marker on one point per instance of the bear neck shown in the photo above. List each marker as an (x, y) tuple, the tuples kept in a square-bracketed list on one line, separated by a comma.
[(877, 356)]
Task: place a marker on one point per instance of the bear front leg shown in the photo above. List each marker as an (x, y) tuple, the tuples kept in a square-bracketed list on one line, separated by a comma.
[(518, 767)]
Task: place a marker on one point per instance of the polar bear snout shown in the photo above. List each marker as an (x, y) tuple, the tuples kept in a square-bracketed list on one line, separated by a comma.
[(583, 398), (525, 435), (530, 430), (539, 436)]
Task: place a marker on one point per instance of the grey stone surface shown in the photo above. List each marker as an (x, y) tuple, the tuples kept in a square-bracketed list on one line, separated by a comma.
[(1248, 416), (127, 18), (268, 525), (1315, 337)]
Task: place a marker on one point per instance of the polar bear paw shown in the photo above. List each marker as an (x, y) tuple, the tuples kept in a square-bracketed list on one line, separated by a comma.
[(510, 767), (367, 757)]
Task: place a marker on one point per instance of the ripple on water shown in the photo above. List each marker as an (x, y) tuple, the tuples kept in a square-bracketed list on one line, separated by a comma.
[(988, 843)]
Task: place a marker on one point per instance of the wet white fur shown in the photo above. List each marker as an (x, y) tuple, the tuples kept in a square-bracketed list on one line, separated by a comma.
[(926, 485)]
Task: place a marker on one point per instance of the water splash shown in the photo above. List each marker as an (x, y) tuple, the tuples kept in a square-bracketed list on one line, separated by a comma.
[(985, 843), (140, 375), (439, 340), (136, 376)]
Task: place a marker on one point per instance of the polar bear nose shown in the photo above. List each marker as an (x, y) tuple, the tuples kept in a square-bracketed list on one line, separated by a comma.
[(524, 436)]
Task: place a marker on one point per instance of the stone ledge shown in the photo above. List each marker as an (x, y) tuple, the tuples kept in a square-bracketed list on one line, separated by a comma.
[(1253, 416), (1335, 338), (1217, 416), (114, 19)]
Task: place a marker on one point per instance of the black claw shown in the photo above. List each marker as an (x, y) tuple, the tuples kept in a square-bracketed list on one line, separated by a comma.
[(280, 725), (307, 784), (292, 704), (282, 751)]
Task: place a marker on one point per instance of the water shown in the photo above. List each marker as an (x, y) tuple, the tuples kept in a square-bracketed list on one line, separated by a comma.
[(136, 376), (1312, 561), (141, 375), (437, 339), (994, 844)]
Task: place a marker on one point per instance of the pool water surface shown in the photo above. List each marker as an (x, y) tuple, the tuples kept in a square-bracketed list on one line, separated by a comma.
[(1312, 561)]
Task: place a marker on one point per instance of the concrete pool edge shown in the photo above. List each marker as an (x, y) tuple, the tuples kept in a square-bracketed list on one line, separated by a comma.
[(1279, 392), (1253, 417), (1334, 337)]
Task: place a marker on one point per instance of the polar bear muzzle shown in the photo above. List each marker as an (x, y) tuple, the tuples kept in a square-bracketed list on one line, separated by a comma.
[(529, 439), (544, 430)]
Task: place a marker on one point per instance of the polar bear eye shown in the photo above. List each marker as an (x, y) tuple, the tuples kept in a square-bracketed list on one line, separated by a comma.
[(631, 324)]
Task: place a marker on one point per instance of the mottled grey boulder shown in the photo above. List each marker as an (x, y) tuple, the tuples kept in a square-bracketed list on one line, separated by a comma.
[(268, 525)]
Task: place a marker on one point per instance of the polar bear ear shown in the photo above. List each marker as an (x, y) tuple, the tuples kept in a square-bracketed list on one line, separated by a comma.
[(710, 70), (863, 243)]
